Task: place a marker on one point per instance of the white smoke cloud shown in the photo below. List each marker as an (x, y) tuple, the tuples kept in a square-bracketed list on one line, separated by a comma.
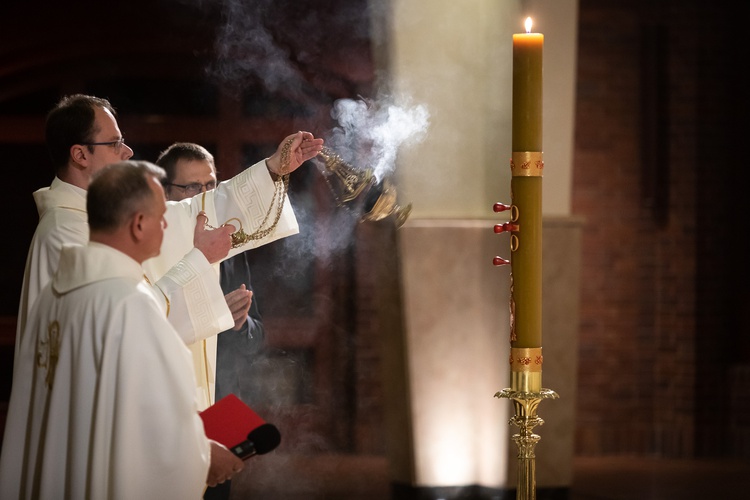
[(370, 133), (245, 48)]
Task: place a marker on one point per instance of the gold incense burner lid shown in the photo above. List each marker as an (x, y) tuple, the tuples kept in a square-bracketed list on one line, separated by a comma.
[(359, 189)]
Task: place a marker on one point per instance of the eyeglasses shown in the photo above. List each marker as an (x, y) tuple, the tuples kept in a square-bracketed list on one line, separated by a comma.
[(115, 144), (194, 188)]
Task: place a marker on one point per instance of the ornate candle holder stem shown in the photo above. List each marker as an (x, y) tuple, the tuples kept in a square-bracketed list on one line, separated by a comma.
[(526, 395)]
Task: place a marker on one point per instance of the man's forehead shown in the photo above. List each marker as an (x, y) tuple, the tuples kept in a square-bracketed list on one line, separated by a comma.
[(103, 113), (192, 166), (105, 120)]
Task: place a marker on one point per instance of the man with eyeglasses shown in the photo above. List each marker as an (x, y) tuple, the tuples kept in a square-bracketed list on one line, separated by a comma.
[(190, 170), (189, 190), (83, 136)]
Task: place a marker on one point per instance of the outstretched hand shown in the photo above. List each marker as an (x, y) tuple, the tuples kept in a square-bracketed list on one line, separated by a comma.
[(293, 151), (214, 243)]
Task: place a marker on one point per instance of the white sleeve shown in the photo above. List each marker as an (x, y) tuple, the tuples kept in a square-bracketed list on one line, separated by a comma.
[(248, 196), (253, 198), (196, 305)]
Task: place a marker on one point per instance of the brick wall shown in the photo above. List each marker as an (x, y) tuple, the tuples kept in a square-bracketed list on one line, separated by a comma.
[(662, 296), (661, 311)]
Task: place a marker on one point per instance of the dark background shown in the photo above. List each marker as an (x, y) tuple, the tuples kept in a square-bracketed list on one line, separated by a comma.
[(659, 180)]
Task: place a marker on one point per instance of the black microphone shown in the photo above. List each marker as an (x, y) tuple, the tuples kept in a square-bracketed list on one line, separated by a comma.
[(260, 440)]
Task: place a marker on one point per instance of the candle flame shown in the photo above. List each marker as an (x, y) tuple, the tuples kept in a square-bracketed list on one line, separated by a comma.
[(528, 25)]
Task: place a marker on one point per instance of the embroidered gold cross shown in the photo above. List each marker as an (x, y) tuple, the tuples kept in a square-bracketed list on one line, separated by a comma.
[(48, 352)]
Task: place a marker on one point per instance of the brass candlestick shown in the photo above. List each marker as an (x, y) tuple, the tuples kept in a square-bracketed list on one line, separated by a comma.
[(526, 357), (526, 393), (359, 190)]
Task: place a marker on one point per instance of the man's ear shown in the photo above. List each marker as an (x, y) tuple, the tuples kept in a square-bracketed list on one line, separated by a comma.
[(79, 154), (136, 226)]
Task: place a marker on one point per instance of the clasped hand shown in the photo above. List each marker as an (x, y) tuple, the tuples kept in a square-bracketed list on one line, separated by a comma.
[(239, 302), (214, 243)]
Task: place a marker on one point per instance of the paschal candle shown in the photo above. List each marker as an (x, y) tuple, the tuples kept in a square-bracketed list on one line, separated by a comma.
[(526, 191)]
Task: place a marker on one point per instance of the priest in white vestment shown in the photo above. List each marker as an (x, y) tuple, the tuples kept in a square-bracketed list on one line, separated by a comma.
[(103, 399), (185, 273)]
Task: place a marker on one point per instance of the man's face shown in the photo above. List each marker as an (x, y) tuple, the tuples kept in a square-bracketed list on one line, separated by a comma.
[(154, 222), (190, 178), (106, 131)]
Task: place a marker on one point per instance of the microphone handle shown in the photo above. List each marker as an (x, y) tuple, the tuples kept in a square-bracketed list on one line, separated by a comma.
[(245, 449)]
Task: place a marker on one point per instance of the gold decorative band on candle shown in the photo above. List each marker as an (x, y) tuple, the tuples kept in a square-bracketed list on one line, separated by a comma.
[(527, 164), (526, 359), (526, 369)]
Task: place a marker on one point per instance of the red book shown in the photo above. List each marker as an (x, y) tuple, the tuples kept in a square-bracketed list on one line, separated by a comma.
[(235, 425)]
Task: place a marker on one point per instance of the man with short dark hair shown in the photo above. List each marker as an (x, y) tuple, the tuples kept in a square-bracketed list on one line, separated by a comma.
[(191, 170), (103, 399)]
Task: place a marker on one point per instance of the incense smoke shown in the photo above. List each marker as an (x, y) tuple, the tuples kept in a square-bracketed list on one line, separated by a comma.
[(245, 47), (370, 134)]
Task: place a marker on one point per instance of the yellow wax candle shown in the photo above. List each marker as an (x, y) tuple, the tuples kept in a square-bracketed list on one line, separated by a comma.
[(526, 190), (526, 262), (527, 90)]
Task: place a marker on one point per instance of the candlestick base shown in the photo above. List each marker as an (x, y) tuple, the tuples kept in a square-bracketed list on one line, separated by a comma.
[(525, 404)]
